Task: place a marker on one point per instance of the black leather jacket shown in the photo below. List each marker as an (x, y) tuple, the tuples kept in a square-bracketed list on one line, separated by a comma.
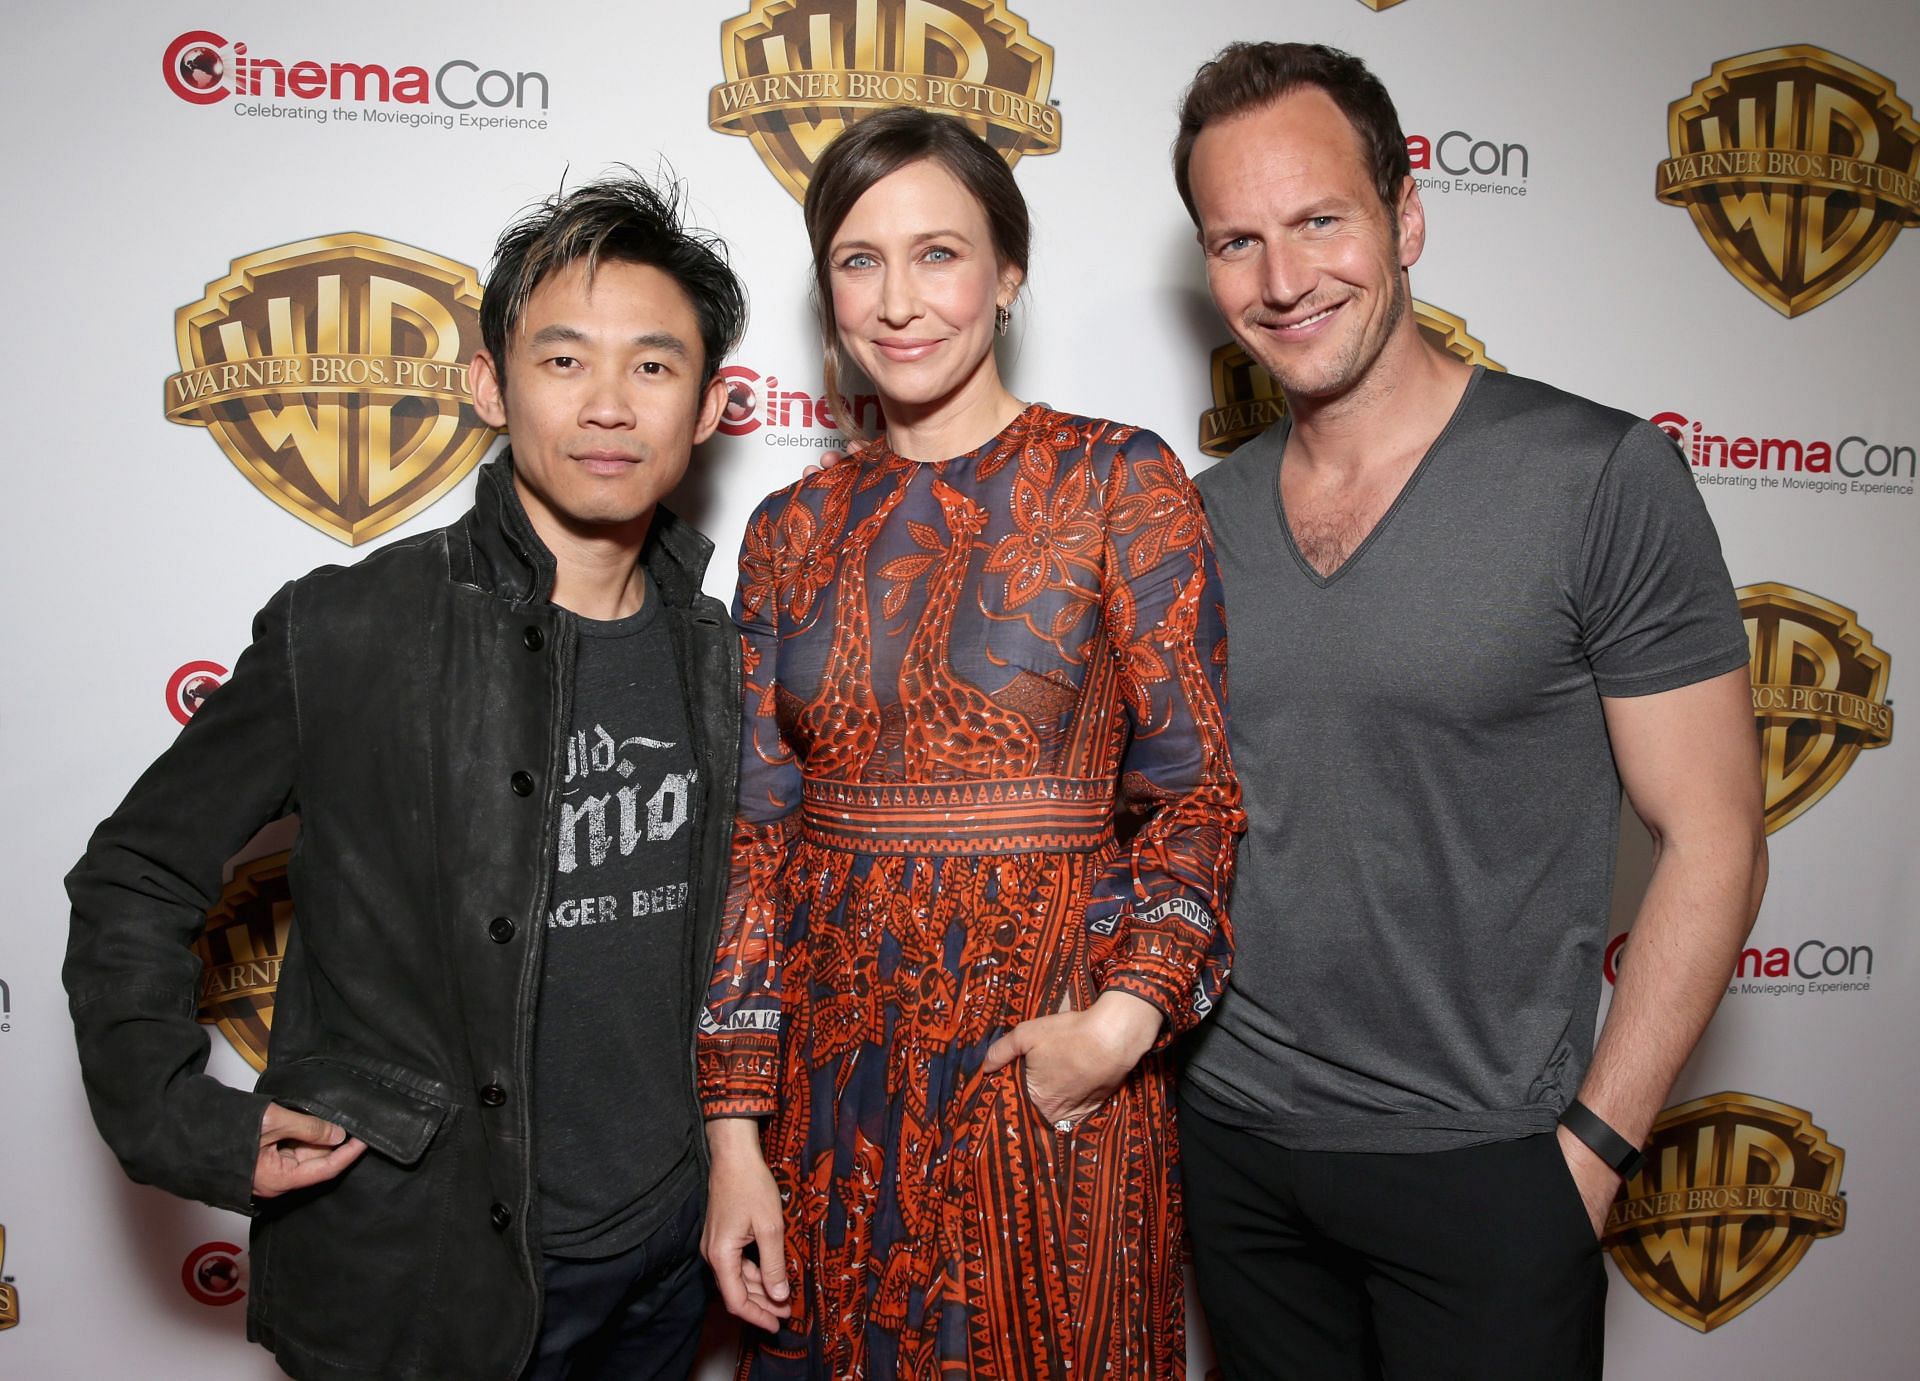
[(413, 710)]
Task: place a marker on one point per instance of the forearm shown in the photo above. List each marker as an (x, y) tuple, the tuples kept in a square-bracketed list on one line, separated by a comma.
[(1158, 918), (1700, 903), (728, 1137), (738, 1042), (140, 896), (132, 981), (1128, 1026)]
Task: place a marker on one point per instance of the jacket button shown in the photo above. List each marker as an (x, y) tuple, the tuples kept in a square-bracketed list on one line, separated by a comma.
[(522, 783), (533, 638), (502, 1217), (500, 930), (493, 1095)]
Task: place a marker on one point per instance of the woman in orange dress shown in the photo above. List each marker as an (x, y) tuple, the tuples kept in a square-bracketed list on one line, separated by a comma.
[(933, 1057)]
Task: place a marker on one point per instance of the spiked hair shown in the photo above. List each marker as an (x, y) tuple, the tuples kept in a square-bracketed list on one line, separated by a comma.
[(624, 219)]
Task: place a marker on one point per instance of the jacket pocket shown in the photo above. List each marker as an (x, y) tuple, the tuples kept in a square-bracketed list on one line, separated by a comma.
[(394, 1110)]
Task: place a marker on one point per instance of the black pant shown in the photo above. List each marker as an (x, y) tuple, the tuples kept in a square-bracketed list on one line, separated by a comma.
[(1342, 1266), (631, 1317)]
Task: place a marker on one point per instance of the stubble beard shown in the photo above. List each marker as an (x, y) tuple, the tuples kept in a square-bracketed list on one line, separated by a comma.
[(1350, 367)]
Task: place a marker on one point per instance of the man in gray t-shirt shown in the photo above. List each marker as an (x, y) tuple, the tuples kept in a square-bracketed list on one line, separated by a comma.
[(1465, 610)]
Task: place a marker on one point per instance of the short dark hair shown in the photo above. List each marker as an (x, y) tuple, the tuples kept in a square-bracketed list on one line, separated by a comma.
[(628, 220), (1246, 76), (884, 143)]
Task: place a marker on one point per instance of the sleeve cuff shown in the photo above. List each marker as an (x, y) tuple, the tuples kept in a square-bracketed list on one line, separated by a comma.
[(738, 1074), (1162, 992)]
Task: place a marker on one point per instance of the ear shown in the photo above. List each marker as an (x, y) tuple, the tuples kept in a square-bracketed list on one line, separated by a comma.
[(713, 401), (1010, 280), (489, 392), (1411, 219)]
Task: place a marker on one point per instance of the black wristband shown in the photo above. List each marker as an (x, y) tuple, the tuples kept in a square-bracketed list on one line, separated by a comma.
[(1602, 1140)]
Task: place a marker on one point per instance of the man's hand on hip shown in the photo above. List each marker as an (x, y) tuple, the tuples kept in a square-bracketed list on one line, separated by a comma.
[(298, 1151)]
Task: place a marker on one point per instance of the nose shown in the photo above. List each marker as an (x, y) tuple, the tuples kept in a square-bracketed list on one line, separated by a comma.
[(899, 303), (607, 402), (1286, 274)]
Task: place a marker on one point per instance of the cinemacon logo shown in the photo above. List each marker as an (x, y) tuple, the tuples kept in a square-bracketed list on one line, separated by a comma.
[(1809, 959), (1856, 457), (202, 67), (1459, 153), (1472, 165), (755, 401)]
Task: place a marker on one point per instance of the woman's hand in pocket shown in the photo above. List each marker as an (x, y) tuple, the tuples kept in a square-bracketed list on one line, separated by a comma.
[(1073, 1061)]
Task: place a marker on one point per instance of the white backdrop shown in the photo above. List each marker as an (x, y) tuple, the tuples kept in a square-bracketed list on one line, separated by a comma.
[(136, 547)]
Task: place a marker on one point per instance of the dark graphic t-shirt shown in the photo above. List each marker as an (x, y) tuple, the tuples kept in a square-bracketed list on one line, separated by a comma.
[(612, 1121)]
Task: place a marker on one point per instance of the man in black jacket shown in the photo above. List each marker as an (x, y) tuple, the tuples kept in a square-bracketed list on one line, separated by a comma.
[(512, 745)]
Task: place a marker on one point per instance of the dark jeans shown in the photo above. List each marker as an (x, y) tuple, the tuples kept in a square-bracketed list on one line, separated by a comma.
[(631, 1317), (1338, 1266)]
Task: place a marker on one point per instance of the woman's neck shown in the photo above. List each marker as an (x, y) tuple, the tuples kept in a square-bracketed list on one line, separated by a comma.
[(964, 420)]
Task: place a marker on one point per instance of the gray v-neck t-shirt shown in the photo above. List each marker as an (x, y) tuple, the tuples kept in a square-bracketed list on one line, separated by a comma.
[(1433, 806)]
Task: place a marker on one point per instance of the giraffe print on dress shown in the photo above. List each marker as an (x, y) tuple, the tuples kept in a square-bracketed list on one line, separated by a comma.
[(922, 862)]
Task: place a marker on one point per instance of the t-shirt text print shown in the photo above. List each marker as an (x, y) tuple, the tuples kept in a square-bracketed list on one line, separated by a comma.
[(619, 795)]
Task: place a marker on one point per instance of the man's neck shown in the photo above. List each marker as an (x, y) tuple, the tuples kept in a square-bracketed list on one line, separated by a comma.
[(1393, 413), (596, 568)]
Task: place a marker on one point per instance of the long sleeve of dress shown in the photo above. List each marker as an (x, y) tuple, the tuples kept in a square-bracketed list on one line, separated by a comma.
[(1158, 918), (738, 1042)]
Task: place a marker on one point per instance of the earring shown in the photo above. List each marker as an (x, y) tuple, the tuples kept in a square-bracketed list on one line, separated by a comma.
[(1002, 319)]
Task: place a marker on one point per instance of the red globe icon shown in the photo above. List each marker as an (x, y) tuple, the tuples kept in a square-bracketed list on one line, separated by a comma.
[(190, 685), (193, 67), (215, 1273), (740, 400), (739, 416), (202, 68)]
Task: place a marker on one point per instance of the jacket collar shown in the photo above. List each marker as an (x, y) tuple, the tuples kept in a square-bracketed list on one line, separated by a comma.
[(507, 558)]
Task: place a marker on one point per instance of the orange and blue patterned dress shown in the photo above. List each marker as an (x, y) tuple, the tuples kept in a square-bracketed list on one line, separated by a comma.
[(961, 676)]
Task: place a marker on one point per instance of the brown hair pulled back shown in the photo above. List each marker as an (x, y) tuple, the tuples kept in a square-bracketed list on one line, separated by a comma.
[(862, 155)]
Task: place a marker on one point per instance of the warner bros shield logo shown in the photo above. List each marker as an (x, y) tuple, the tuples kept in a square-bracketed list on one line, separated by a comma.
[(1734, 1191), (1246, 400), (1798, 166), (1819, 694), (240, 951), (9, 1296), (798, 72), (331, 372)]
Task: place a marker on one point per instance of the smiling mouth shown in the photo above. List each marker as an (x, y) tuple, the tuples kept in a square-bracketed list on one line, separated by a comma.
[(1305, 322), (905, 350)]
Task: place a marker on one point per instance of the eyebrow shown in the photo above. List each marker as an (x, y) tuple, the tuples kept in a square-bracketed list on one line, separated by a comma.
[(1325, 206), (560, 334), (920, 239)]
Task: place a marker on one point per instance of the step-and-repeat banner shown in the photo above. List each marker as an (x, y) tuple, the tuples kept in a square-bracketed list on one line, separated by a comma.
[(243, 245)]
